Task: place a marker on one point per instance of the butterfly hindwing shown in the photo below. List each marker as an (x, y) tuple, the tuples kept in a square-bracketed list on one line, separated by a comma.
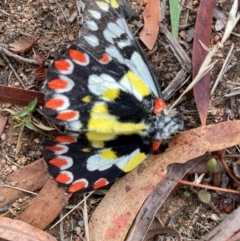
[(72, 160)]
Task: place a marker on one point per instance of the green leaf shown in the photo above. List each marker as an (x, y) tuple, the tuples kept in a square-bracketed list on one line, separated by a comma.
[(212, 165), (174, 15), (19, 124), (30, 126), (32, 105), (204, 196), (22, 113)]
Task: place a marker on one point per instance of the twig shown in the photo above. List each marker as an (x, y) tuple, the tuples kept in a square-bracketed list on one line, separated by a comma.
[(59, 5), (61, 230), (208, 187), (90, 193), (4, 12), (17, 57), (225, 64), (17, 188), (13, 70), (85, 218)]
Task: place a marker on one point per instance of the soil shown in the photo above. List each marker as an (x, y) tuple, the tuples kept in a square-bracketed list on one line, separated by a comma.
[(49, 21)]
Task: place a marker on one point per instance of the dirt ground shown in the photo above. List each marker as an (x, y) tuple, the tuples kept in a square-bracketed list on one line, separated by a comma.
[(49, 21)]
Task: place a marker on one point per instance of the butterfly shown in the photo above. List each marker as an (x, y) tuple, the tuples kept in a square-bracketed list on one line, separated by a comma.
[(109, 101)]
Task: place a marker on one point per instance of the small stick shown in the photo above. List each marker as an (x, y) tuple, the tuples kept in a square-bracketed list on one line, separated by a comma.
[(17, 57), (13, 70)]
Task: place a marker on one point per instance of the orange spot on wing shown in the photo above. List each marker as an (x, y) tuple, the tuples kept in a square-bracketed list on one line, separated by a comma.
[(100, 183), (58, 162), (66, 139), (156, 144), (159, 106), (63, 178), (67, 115), (57, 84), (62, 65), (54, 148), (105, 58), (54, 103), (78, 56), (78, 185)]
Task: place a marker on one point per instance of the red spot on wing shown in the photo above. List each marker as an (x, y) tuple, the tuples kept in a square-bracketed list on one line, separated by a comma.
[(156, 144), (105, 58), (63, 178), (57, 84), (55, 148), (159, 106), (78, 56), (62, 65), (66, 139), (54, 103), (78, 185), (67, 115), (100, 183), (58, 162)]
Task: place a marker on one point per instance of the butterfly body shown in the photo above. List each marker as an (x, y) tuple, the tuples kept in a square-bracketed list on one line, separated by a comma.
[(103, 92)]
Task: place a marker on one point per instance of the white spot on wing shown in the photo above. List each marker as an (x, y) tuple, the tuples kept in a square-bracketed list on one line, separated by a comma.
[(74, 125), (121, 22), (124, 43), (103, 5), (109, 36), (92, 40), (92, 25), (99, 84), (95, 14)]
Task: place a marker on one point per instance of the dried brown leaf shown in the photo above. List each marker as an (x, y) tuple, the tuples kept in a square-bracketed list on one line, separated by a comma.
[(23, 44), (46, 206), (31, 177), (202, 35), (151, 15), (13, 230), (17, 96)]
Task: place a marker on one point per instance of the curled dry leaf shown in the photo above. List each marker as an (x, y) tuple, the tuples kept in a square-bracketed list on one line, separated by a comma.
[(12, 230), (23, 44), (40, 72)]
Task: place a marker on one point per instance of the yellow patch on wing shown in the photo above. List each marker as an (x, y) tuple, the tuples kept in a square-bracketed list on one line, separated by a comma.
[(87, 99), (99, 137), (114, 3), (103, 5), (111, 94), (134, 160), (86, 149), (102, 122), (135, 84), (108, 154)]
